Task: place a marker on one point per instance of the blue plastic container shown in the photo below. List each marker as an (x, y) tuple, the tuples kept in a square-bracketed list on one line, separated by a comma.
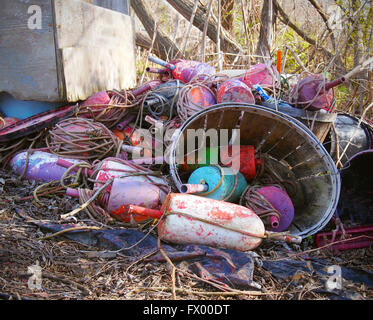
[(22, 109)]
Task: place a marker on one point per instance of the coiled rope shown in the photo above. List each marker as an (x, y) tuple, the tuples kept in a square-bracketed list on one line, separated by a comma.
[(84, 139), (112, 113), (253, 200)]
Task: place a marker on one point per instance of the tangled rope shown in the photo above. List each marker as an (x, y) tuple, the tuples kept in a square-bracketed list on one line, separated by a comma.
[(87, 197), (8, 150), (93, 210), (109, 114), (165, 97), (186, 105), (253, 200), (84, 139), (135, 170)]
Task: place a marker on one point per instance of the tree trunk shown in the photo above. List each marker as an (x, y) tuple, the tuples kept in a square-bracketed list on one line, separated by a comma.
[(185, 8), (266, 30), (163, 45), (227, 14), (325, 19)]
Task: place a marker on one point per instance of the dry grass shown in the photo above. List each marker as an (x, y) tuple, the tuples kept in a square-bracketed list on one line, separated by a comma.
[(73, 271)]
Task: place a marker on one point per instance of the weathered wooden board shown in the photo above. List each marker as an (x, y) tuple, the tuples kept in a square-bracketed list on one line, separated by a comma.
[(97, 46), (27, 56), (122, 6), (82, 24), (100, 66), (80, 48)]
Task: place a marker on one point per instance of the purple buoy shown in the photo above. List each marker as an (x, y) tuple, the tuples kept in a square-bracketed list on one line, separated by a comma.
[(42, 166), (280, 200)]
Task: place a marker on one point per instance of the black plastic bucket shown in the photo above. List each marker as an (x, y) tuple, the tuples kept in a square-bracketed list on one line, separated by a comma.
[(356, 201), (346, 128)]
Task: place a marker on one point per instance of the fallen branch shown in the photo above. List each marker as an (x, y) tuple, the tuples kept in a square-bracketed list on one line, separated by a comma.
[(173, 272)]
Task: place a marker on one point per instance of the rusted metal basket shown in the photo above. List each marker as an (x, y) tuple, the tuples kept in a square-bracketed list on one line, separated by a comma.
[(288, 147)]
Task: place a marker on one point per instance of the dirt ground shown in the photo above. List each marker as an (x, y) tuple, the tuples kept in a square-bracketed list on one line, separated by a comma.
[(73, 271)]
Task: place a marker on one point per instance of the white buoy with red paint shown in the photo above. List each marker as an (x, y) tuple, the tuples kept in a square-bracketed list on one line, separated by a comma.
[(190, 219)]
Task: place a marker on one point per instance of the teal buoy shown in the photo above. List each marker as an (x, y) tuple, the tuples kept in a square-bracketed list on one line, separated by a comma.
[(229, 188)]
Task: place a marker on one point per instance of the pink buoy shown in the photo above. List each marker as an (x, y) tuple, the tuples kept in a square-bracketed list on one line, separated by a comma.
[(97, 98), (193, 98), (186, 70), (314, 93), (234, 90), (126, 170), (259, 74)]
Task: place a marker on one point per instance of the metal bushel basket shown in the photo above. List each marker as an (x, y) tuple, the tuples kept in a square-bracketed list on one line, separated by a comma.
[(290, 151)]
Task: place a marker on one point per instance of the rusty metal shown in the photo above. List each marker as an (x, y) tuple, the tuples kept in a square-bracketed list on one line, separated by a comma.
[(35, 123), (7, 121)]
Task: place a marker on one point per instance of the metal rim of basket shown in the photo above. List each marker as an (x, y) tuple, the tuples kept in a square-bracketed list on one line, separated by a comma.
[(303, 130)]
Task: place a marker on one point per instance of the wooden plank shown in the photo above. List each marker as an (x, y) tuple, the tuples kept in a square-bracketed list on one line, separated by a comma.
[(122, 6), (27, 56), (81, 24), (91, 69), (97, 48)]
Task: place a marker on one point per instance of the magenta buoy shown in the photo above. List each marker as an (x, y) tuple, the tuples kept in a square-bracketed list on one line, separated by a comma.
[(99, 98), (259, 74), (280, 200), (234, 90)]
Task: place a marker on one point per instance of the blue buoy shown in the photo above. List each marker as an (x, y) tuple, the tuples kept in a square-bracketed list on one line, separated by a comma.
[(227, 188)]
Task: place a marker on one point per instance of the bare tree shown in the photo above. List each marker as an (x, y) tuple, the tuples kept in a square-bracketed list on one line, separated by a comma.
[(227, 14), (185, 8), (164, 47), (266, 30)]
